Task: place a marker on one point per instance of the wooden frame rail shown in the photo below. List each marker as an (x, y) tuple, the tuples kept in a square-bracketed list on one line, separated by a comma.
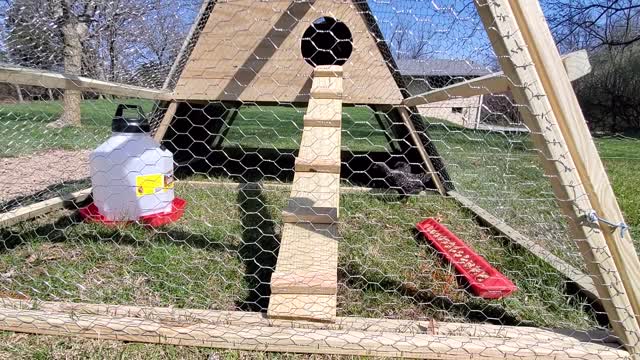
[(54, 80), (252, 331), (41, 208), (576, 65)]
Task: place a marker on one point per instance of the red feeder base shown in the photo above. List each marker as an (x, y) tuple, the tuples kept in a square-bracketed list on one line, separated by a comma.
[(484, 280), (92, 214)]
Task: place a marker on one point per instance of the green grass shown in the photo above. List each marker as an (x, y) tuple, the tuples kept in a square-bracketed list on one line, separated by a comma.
[(622, 161), (216, 256), (23, 127), (205, 260)]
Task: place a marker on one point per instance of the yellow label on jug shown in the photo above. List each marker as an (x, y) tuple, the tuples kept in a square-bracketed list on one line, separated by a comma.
[(154, 183)]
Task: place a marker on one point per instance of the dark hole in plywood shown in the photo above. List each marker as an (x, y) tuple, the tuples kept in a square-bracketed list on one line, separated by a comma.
[(326, 42)]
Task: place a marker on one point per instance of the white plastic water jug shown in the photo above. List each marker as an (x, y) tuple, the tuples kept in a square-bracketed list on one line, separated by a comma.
[(131, 174)]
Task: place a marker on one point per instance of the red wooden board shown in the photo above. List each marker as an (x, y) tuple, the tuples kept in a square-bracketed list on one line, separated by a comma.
[(484, 280)]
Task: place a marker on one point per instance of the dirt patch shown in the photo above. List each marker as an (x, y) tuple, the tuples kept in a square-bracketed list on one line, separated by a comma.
[(26, 175)]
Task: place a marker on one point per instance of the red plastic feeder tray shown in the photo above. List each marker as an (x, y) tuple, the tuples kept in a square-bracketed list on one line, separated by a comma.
[(484, 280), (92, 214)]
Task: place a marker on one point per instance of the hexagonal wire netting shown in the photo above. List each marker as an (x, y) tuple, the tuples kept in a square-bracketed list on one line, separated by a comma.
[(241, 73)]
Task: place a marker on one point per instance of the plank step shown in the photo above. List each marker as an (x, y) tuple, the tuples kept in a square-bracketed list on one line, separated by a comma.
[(326, 88), (306, 307), (323, 113), (315, 283), (328, 70), (319, 150), (315, 197), (311, 248)]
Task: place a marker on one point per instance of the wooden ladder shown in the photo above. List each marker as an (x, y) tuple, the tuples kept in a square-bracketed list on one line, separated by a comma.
[(304, 285)]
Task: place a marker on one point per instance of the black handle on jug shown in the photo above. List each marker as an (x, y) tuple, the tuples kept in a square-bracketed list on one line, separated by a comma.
[(122, 107), (120, 124)]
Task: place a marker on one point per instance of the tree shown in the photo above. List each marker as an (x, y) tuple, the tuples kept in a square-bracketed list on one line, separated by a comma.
[(73, 18), (593, 24), (610, 30), (409, 40), (32, 39), (156, 50)]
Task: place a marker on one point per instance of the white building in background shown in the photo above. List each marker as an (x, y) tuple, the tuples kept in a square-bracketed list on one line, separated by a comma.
[(489, 112)]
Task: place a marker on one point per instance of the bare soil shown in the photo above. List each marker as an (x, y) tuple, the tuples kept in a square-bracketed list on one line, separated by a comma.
[(24, 175)]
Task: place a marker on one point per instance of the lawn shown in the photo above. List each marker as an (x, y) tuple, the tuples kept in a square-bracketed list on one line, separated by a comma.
[(208, 260), (23, 127), (220, 254)]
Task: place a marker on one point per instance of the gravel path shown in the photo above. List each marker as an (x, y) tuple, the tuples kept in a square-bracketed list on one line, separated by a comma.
[(26, 175)]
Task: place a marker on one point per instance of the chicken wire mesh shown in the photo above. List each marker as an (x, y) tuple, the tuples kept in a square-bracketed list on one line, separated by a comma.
[(235, 136)]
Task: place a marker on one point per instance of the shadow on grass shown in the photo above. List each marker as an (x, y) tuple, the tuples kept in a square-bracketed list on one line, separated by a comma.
[(53, 232), (62, 230), (259, 249), (433, 301), (48, 193)]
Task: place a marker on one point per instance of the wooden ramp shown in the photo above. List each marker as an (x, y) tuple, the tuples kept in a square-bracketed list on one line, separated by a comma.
[(304, 285)]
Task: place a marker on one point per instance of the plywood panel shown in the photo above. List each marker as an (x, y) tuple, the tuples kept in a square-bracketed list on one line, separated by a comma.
[(250, 51)]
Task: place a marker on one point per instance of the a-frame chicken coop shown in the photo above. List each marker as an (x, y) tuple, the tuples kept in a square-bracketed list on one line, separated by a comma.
[(330, 267), (273, 63)]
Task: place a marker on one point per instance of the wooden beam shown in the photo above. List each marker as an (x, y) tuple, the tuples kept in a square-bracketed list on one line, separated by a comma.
[(166, 121), (489, 84), (298, 340), (30, 211), (49, 79), (243, 318), (585, 155), (576, 65), (507, 31), (584, 282), (404, 114)]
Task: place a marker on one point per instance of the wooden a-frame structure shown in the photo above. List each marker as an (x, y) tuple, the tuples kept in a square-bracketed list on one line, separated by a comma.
[(248, 52)]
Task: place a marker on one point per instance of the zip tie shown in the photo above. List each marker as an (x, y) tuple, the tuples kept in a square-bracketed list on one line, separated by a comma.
[(593, 217)]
